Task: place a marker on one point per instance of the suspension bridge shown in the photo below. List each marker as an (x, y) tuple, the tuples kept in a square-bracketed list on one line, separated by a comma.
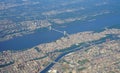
[(59, 31)]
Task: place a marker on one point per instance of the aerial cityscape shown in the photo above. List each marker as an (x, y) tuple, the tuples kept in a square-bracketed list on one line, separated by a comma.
[(59, 36)]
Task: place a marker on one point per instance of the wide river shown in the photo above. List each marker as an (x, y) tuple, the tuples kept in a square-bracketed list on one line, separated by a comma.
[(44, 35)]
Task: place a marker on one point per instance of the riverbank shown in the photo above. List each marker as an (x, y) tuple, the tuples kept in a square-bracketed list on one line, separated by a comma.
[(39, 57)]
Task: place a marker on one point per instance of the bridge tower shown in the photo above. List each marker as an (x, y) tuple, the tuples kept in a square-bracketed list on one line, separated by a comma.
[(50, 28)]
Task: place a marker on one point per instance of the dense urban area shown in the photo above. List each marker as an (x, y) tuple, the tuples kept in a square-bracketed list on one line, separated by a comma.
[(98, 56), (59, 36)]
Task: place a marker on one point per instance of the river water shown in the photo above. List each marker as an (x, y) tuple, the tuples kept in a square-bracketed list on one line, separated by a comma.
[(76, 48), (44, 35)]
